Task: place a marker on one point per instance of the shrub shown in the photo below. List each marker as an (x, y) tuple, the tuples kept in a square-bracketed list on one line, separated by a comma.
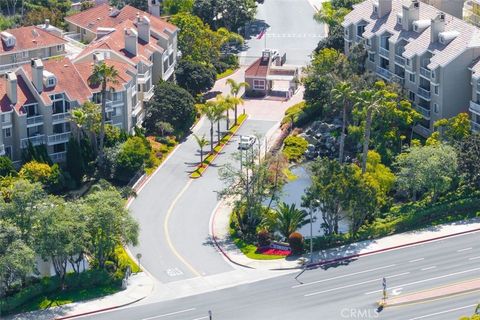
[(110, 266), (6, 167), (264, 238), (296, 242), (294, 148), (132, 156), (49, 176), (294, 113)]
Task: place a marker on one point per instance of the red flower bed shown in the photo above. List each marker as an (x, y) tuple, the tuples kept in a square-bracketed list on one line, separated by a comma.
[(273, 252)]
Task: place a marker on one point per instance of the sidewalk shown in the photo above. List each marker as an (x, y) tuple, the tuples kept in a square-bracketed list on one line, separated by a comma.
[(139, 287), (435, 293), (220, 227)]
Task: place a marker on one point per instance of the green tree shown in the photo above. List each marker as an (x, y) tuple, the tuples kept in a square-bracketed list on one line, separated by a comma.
[(202, 143), (164, 128), (139, 4), (172, 104), (231, 14), (235, 90), (171, 7), (132, 156), (213, 111), (49, 176), (6, 167), (195, 77), (454, 129), (429, 169), (106, 77), (468, 155), (343, 93), (109, 224), (287, 219), (75, 160)]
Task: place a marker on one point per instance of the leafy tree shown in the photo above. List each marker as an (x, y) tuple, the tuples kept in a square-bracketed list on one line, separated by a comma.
[(357, 57), (164, 128), (202, 143), (109, 224), (133, 154), (6, 167), (454, 129), (235, 89), (39, 10), (287, 219), (429, 169), (75, 161), (213, 111), (195, 77), (172, 104), (104, 76), (468, 155), (231, 14), (49, 176), (139, 4), (343, 93), (334, 40), (6, 22), (171, 7)]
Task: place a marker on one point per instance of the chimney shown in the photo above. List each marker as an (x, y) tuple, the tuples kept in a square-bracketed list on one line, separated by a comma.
[(384, 7), (410, 14), (437, 26), (37, 74), (47, 23), (12, 87), (98, 57), (131, 38), (143, 27)]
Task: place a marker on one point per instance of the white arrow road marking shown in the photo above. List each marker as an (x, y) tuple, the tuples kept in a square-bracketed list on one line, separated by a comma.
[(396, 292)]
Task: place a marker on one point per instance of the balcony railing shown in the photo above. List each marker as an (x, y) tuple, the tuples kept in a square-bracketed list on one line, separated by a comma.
[(58, 156), (384, 73), (58, 138), (35, 141), (35, 120), (2, 149), (143, 77), (425, 72), (400, 60), (423, 111), (475, 107), (148, 95), (475, 126), (425, 132), (359, 38), (60, 117), (384, 52), (424, 93)]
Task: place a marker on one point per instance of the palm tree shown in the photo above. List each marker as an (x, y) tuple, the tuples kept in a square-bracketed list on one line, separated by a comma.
[(202, 142), (105, 76), (288, 219), (79, 118), (235, 88), (342, 93), (231, 103), (209, 110)]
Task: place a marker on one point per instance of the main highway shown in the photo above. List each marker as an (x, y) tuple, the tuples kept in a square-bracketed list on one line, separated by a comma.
[(349, 290)]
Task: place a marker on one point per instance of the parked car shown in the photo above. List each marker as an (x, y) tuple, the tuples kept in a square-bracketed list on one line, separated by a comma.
[(246, 142)]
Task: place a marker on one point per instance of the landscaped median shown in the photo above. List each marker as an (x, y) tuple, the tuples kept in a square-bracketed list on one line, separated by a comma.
[(218, 148)]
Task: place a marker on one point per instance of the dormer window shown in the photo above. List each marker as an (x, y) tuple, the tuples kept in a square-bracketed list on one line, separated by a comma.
[(375, 9), (49, 79), (51, 82), (399, 18), (8, 39), (346, 32)]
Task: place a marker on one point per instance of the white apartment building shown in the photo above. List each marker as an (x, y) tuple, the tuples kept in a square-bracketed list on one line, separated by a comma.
[(428, 52)]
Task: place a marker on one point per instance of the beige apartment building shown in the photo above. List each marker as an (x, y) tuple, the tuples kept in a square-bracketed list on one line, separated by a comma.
[(20, 45), (429, 52)]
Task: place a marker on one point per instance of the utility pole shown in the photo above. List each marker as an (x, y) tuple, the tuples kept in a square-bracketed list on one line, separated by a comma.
[(311, 235), (210, 315)]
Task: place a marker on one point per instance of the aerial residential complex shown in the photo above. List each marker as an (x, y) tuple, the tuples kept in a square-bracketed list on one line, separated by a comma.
[(36, 95), (433, 55)]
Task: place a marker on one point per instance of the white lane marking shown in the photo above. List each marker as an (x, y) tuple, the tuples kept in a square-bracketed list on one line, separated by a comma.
[(466, 249), (416, 260), (200, 318), (473, 258), (343, 276), (354, 284), (169, 314), (428, 268), (442, 312), (426, 280)]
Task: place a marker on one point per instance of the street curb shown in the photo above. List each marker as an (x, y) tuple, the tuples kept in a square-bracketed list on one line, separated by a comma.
[(100, 310)]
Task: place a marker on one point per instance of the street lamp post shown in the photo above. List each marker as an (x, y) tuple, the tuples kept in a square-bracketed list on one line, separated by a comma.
[(311, 235)]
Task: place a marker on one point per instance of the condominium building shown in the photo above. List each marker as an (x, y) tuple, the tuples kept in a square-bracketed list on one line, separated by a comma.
[(425, 50), (451, 7), (36, 98), (20, 45), (471, 12)]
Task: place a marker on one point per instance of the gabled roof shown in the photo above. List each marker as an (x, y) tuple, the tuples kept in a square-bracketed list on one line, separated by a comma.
[(24, 96), (258, 69), (105, 16), (125, 72), (29, 38)]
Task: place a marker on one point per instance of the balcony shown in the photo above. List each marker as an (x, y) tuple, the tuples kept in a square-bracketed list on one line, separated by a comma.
[(424, 72), (149, 94), (58, 156), (400, 60), (359, 39), (384, 52), (58, 138), (423, 111), (143, 77), (34, 120), (2, 149), (60, 117), (424, 93), (475, 126), (421, 130), (384, 73), (474, 107), (34, 140)]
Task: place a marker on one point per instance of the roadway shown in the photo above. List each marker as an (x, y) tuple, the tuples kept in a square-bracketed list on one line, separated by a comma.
[(348, 290)]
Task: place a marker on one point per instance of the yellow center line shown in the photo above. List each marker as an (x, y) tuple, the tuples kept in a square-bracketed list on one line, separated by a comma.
[(167, 233)]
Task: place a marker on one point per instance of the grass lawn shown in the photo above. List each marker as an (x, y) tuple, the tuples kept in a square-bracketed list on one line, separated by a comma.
[(249, 249), (225, 74)]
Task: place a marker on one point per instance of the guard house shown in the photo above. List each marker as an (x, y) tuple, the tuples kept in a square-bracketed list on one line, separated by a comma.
[(267, 76)]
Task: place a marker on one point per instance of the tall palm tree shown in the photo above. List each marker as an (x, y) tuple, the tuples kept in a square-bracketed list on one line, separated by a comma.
[(235, 88), (343, 93), (105, 76), (288, 218), (209, 111), (79, 118), (202, 143), (231, 103)]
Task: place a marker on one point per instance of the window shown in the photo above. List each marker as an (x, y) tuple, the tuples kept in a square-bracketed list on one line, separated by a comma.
[(369, 42), (435, 108), (31, 110), (51, 82), (25, 54), (371, 57), (433, 74), (409, 62), (59, 47), (7, 132), (259, 84), (346, 32), (6, 118), (375, 9), (411, 96), (399, 20), (435, 90), (412, 77)]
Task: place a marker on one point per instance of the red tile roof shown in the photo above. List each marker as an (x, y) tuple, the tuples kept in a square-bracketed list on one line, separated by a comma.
[(85, 70), (24, 96), (69, 80), (29, 38), (258, 69), (101, 17)]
